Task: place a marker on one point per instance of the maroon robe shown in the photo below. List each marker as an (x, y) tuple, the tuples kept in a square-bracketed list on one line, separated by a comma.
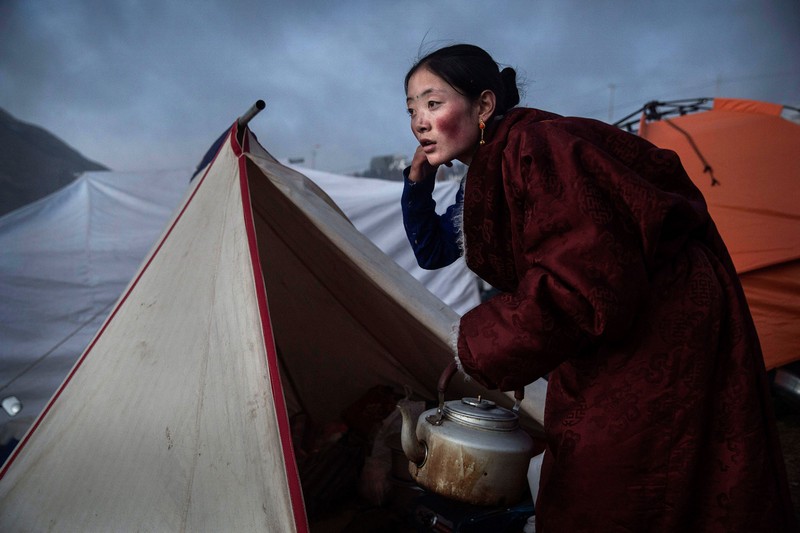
[(615, 281)]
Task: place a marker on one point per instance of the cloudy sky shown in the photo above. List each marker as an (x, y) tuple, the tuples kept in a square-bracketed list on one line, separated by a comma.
[(149, 84)]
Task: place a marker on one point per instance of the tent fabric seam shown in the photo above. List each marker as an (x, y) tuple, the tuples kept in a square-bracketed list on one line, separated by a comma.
[(290, 465)]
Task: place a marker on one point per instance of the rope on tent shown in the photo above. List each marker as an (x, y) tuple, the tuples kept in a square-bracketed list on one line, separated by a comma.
[(706, 167), (50, 352)]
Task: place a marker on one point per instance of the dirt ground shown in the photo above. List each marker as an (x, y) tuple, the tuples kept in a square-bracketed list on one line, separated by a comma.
[(788, 418)]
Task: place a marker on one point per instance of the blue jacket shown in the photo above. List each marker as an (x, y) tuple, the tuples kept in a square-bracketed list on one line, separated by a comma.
[(434, 238)]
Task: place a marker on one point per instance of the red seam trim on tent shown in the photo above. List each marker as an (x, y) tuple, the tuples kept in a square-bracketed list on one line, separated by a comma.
[(292, 474), (82, 358)]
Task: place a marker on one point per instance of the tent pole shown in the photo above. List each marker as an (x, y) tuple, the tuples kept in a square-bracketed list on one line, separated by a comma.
[(242, 121), (250, 113)]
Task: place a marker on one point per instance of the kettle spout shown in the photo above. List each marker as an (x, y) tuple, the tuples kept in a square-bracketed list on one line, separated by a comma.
[(415, 450)]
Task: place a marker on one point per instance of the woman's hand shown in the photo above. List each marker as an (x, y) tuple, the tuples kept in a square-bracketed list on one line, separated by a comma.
[(420, 168)]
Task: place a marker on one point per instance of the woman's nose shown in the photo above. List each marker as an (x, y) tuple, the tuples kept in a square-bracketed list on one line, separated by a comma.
[(420, 124)]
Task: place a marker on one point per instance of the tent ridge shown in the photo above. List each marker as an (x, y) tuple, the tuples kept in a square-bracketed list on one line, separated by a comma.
[(290, 464)]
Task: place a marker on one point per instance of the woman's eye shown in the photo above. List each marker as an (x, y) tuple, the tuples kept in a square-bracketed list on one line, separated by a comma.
[(410, 112), (432, 105)]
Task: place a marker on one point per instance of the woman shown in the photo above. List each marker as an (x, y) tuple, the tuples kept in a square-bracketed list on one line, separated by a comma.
[(613, 282)]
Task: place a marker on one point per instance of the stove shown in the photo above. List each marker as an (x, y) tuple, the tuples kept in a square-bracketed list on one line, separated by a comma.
[(431, 512)]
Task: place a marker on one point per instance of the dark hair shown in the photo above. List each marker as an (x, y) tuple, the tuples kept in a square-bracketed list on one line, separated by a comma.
[(470, 70)]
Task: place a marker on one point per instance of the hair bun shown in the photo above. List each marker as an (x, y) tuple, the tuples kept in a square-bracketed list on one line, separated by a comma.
[(509, 77)]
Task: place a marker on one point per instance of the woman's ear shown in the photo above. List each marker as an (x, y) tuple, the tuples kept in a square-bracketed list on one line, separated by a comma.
[(486, 104)]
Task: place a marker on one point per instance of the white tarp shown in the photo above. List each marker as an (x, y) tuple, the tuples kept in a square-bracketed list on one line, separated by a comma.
[(66, 259)]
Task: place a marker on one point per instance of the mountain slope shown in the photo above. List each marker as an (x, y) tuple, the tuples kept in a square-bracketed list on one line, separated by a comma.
[(34, 163)]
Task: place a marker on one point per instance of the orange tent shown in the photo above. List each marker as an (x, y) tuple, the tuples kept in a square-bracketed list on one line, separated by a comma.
[(745, 157)]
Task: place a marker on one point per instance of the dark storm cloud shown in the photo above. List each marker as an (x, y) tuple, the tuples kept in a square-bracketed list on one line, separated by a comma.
[(149, 84)]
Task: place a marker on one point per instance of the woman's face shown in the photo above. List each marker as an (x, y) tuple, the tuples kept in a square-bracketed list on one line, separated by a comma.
[(444, 121)]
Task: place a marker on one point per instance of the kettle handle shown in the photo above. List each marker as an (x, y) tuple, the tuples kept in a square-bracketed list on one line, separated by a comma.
[(444, 382), (444, 379), (441, 387)]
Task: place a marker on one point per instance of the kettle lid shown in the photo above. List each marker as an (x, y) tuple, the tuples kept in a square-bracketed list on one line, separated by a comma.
[(480, 413)]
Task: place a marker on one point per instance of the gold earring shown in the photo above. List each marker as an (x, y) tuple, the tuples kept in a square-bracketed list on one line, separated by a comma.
[(482, 126)]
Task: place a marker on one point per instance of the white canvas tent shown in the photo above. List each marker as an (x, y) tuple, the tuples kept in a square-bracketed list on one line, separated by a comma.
[(260, 300), (67, 258)]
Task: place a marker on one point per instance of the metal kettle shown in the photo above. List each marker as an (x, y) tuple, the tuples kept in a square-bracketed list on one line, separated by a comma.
[(470, 450)]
